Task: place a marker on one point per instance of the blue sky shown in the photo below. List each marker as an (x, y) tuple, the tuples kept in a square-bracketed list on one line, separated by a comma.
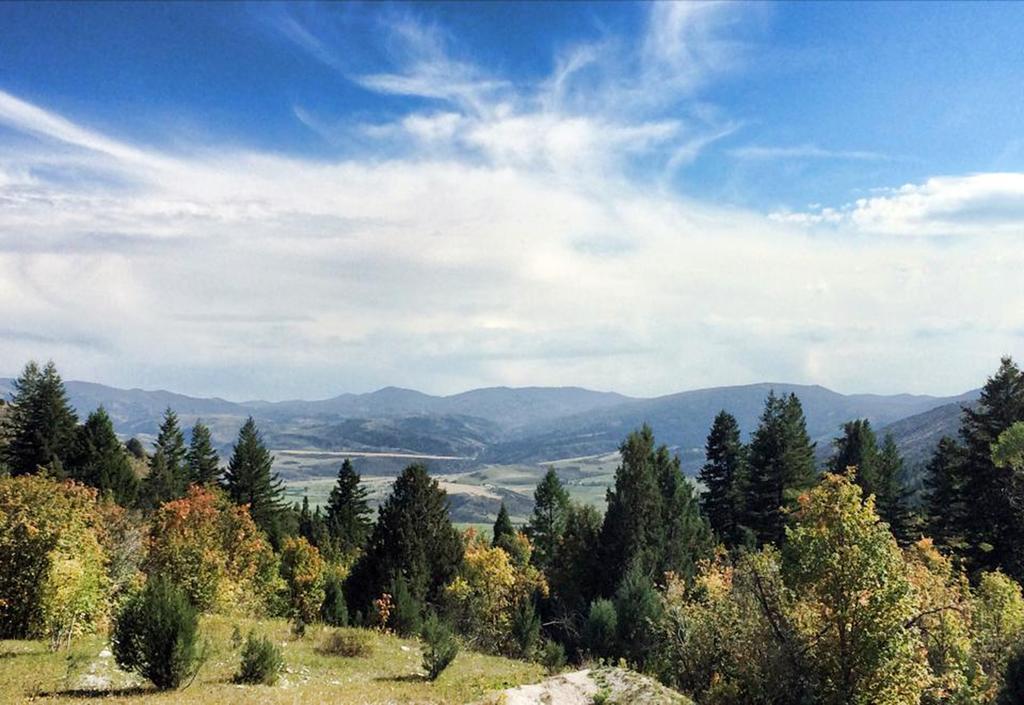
[(299, 199)]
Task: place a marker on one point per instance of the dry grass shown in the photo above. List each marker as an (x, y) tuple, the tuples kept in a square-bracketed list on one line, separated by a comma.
[(390, 673)]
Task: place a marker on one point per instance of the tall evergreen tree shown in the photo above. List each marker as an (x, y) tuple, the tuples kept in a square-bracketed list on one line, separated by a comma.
[(995, 526), (413, 539), (686, 535), (781, 465), (574, 573), (100, 460), (203, 461), (40, 425), (313, 527), (944, 506), (250, 480), (168, 474), (652, 521), (503, 529), (892, 496), (161, 484), (170, 441), (722, 476), (858, 448), (550, 506), (348, 512)]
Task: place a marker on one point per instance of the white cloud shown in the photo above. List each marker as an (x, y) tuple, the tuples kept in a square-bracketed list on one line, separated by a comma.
[(498, 239), (971, 205)]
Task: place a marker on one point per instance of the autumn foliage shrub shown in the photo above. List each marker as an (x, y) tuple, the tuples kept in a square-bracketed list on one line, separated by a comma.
[(487, 592), (216, 553), (303, 571), (53, 581)]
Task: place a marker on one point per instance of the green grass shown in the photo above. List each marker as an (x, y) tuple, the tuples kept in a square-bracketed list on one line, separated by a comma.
[(391, 673)]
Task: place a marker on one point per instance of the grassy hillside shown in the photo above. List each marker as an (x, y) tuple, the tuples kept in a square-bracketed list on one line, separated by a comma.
[(390, 674)]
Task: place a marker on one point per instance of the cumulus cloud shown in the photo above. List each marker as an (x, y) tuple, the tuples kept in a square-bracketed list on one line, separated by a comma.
[(971, 205), (500, 239)]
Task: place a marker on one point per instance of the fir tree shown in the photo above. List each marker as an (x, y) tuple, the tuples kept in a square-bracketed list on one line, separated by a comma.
[(101, 461), (413, 539), (170, 441), (994, 529), (781, 465), (502, 527), (313, 527), (250, 480), (892, 497), (944, 507), (550, 505), (203, 461), (40, 426), (858, 448), (686, 535), (652, 521), (722, 476), (348, 513), (162, 484), (574, 574), (168, 475)]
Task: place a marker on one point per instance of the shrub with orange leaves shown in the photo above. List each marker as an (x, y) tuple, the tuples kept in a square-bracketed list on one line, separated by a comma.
[(215, 552)]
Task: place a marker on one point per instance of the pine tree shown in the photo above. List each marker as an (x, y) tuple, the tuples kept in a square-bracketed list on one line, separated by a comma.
[(550, 505), (348, 513), (686, 535), (722, 476), (40, 426), (858, 448), (781, 465), (161, 485), (502, 527), (995, 527), (413, 539), (574, 574), (171, 442), (652, 522), (306, 521), (944, 506), (203, 461), (892, 497), (250, 480), (313, 527), (168, 475), (101, 461)]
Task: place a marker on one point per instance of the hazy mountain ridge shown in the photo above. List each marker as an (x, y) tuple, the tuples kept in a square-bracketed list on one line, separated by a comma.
[(520, 425)]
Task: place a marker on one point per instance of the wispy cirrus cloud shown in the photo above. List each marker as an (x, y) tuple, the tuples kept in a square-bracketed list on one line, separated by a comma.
[(488, 232), (804, 151), (606, 101)]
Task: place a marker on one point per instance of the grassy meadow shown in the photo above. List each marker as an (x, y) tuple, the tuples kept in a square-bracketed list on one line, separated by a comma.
[(391, 673)]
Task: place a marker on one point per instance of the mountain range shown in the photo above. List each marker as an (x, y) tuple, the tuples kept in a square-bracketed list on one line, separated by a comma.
[(527, 425)]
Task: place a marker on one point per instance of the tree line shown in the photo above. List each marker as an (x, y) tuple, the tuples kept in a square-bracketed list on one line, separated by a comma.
[(771, 583)]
